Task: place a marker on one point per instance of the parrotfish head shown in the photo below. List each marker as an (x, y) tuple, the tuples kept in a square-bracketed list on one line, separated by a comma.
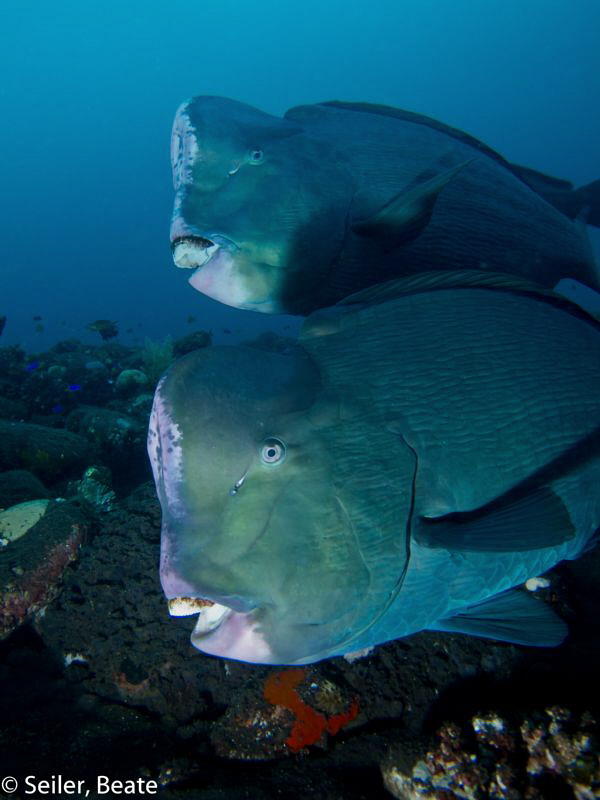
[(256, 202), (255, 536)]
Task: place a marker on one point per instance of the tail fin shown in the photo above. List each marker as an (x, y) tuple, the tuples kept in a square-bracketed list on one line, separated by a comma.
[(583, 202), (586, 200)]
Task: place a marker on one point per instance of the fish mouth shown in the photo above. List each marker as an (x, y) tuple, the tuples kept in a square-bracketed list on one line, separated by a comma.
[(222, 631), (192, 251), (210, 614)]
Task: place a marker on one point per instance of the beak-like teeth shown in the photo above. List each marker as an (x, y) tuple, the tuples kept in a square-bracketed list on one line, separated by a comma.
[(190, 253), (210, 618), (186, 606)]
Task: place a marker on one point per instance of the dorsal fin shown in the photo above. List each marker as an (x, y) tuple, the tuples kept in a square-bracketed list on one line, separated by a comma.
[(422, 119), (540, 182), (459, 279)]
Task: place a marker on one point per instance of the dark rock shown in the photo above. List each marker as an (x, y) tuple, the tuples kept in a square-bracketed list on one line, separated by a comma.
[(56, 420), (12, 409), (50, 453), (19, 485), (113, 614), (119, 440), (12, 365)]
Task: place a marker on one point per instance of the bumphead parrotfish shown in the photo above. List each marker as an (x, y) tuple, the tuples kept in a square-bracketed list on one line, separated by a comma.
[(293, 214), (428, 446)]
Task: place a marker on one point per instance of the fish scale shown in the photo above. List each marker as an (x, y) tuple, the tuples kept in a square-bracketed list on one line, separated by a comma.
[(451, 357)]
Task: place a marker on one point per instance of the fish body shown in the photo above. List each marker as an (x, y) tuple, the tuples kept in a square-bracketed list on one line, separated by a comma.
[(292, 214), (105, 327), (426, 448)]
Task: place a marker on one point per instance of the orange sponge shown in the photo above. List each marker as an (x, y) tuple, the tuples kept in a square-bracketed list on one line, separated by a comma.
[(280, 689)]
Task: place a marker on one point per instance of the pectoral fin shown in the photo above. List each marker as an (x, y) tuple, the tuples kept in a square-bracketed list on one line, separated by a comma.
[(539, 519), (512, 616), (405, 216)]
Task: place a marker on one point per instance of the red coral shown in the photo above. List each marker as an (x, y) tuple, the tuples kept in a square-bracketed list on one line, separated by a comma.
[(280, 689)]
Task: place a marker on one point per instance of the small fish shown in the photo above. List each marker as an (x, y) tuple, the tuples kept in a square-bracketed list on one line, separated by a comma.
[(430, 445), (191, 319), (57, 408), (74, 387), (105, 327), (37, 318), (39, 328), (2, 323), (226, 330), (292, 214), (32, 366)]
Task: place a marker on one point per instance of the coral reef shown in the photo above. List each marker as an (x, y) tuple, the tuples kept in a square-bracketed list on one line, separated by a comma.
[(95, 488), (547, 754), (130, 382), (32, 565), (310, 725), (19, 485), (156, 357), (76, 405)]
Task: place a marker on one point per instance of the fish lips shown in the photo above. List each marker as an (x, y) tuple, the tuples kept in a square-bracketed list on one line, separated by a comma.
[(222, 631), (236, 635), (217, 274), (192, 251), (227, 627)]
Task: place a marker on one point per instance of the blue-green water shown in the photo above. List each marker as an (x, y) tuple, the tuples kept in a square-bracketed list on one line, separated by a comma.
[(88, 92)]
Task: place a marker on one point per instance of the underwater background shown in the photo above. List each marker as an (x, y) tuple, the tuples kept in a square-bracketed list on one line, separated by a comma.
[(95, 678), (88, 92)]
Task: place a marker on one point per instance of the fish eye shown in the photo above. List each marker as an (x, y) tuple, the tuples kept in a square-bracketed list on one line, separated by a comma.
[(255, 156), (272, 451)]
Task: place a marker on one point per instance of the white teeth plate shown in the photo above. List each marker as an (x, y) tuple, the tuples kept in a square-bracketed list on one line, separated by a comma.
[(188, 255), (186, 606), (210, 618)]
